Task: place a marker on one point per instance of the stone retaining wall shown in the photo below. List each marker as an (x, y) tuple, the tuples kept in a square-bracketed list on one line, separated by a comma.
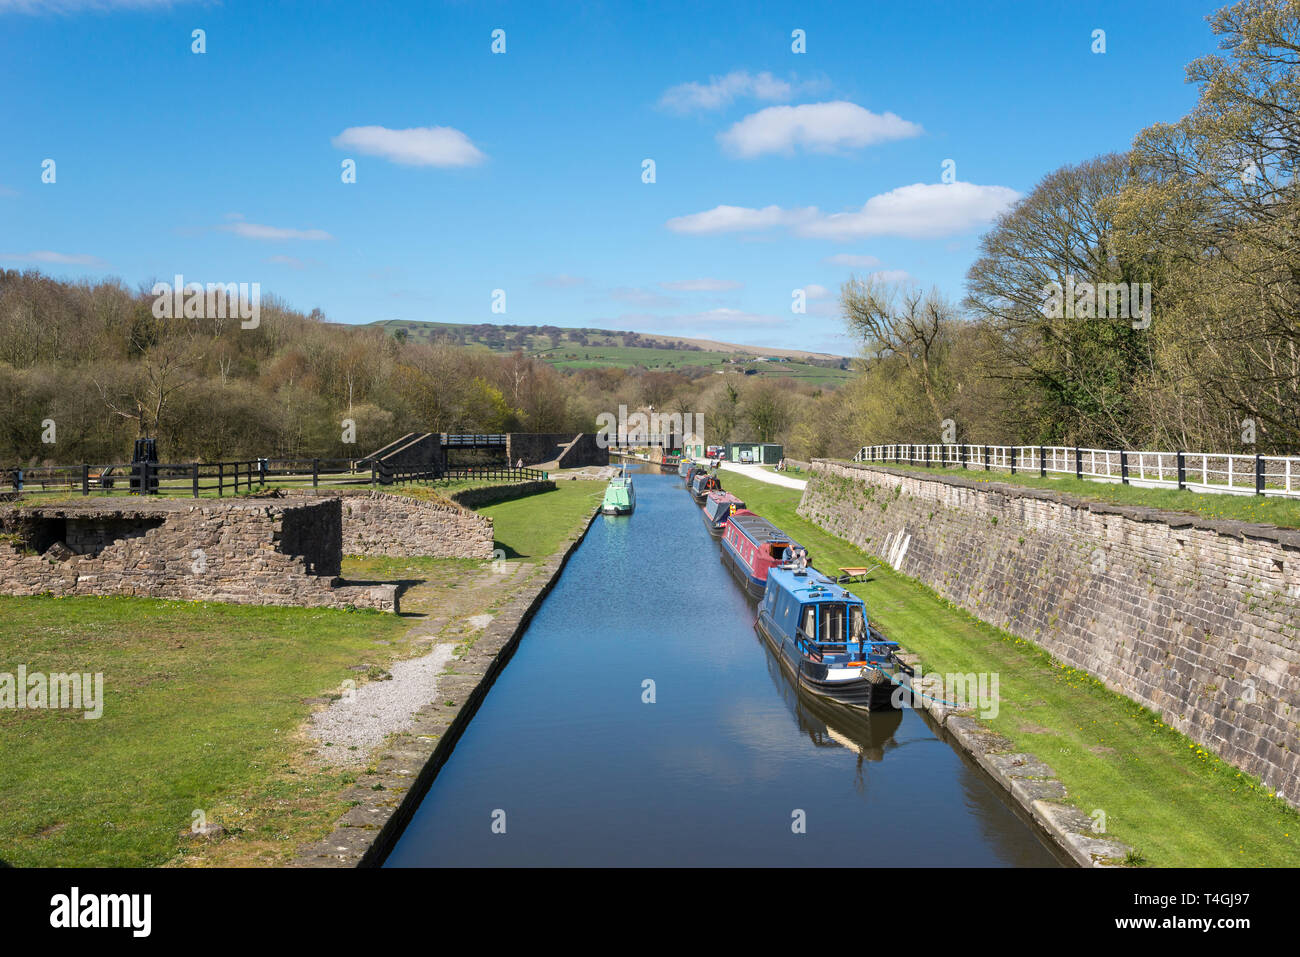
[(1197, 619), (259, 552), (387, 523)]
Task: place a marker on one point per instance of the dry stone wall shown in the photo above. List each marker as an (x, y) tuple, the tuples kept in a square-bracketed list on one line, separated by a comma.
[(260, 552), (1195, 618), (386, 523)]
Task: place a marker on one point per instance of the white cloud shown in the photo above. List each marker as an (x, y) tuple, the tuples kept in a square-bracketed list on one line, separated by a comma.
[(816, 127), (701, 285), (919, 211), (814, 291), (734, 219), (852, 261), (892, 275), (272, 233), (720, 91), (421, 146), (49, 257)]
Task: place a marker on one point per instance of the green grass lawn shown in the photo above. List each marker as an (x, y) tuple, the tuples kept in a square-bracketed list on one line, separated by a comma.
[(201, 705), (533, 527), (1171, 800), (1282, 512)]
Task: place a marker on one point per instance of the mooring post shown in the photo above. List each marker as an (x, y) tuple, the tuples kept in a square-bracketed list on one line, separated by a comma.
[(315, 473), (986, 458), (1259, 474), (1078, 464), (961, 450), (1182, 470), (1013, 460), (1123, 467), (195, 473), (1042, 462), (85, 480), (221, 478)]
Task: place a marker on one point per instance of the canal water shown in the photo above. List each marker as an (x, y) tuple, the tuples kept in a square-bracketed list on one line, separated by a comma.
[(568, 763)]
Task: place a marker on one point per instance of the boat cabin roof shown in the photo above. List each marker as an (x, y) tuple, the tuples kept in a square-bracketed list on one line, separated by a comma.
[(810, 586), (759, 530)]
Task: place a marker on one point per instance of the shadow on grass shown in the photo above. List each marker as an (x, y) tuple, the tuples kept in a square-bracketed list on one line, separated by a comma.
[(507, 550)]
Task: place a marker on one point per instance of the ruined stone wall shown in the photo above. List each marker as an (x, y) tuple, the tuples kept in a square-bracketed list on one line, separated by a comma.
[(258, 552), (1197, 619), (387, 523)]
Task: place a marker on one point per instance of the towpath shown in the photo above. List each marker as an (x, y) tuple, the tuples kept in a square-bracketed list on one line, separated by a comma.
[(765, 475)]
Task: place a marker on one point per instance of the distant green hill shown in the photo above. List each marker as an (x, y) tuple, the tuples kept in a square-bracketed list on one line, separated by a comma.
[(568, 348)]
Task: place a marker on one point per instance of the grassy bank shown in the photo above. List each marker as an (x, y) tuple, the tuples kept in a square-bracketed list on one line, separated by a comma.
[(1175, 803), (1244, 508), (201, 703), (204, 706), (532, 528)]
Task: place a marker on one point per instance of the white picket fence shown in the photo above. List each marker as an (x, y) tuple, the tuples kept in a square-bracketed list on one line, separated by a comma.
[(1198, 471)]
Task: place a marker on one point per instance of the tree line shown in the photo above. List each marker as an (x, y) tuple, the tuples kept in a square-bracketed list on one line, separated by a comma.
[(86, 367), (1144, 299)]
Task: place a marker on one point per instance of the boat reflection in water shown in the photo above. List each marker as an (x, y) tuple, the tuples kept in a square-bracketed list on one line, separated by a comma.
[(866, 734)]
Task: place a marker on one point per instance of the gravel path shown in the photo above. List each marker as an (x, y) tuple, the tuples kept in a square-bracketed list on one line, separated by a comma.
[(353, 726)]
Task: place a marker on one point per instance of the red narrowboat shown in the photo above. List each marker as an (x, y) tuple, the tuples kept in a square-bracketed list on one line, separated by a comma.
[(751, 546)]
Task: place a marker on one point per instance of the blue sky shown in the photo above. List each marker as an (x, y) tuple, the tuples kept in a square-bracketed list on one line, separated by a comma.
[(523, 171)]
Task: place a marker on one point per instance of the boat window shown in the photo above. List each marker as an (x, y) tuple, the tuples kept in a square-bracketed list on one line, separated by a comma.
[(832, 622), (809, 620), (857, 624)]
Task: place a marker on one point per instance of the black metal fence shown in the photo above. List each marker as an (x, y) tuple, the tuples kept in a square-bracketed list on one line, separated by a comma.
[(237, 477)]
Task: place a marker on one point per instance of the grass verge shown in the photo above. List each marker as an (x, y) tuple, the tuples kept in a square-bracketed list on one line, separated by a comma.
[(1283, 512), (203, 703), (1175, 803)]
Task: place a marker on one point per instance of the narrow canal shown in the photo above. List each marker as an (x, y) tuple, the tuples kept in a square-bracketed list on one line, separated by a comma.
[(574, 767)]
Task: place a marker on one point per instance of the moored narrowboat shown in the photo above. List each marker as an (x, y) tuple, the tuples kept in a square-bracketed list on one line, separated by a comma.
[(620, 496), (683, 465), (752, 546), (822, 636), (718, 507), (702, 483)]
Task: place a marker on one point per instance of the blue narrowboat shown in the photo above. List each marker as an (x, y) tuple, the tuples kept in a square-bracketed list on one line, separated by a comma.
[(717, 508), (751, 547), (702, 483), (822, 636)]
